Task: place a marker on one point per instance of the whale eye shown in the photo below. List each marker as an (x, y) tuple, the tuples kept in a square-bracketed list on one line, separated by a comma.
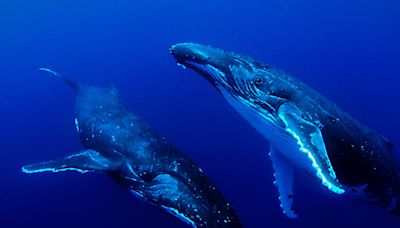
[(258, 81)]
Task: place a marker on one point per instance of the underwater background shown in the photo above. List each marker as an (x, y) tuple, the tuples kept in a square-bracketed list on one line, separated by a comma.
[(347, 50)]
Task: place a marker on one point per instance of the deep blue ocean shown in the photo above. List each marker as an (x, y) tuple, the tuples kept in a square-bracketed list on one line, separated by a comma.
[(347, 50)]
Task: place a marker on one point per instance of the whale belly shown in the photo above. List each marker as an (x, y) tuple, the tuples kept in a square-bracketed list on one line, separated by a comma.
[(272, 132)]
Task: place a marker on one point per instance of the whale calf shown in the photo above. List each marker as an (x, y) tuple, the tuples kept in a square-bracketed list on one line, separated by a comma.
[(120, 144), (306, 131)]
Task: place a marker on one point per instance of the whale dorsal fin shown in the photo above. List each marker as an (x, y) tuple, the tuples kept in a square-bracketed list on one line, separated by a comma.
[(84, 161), (283, 174), (311, 145)]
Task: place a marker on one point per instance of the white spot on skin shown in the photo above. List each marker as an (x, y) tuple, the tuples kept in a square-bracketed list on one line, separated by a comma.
[(175, 166), (77, 124)]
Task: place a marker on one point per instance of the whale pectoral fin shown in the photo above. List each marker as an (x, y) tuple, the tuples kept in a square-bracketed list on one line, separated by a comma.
[(311, 145), (84, 161), (283, 174)]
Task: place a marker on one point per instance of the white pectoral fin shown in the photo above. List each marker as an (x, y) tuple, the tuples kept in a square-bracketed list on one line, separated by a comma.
[(283, 174), (84, 161), (311, 144)]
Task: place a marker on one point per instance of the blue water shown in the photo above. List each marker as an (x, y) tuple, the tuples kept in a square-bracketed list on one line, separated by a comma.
[(347, 50)]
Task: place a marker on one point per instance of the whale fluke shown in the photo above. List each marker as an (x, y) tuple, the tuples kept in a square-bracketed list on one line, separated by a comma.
[(71, 83)]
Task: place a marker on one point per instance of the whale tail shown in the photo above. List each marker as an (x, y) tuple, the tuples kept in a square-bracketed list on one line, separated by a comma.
[(71, 83)]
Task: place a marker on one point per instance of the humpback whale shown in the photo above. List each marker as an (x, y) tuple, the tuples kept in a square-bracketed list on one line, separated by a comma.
[(120, 144), (306, 131)]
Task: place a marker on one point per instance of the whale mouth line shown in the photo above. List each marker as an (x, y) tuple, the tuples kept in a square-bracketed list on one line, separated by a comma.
[(184, 64), (219, 80), (181, 65), (207, 71)]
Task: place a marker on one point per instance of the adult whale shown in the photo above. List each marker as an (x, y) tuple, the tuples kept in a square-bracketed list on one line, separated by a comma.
[(120, 144), (304, 129)]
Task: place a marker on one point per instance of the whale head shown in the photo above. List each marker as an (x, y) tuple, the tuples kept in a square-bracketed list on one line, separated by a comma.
[(252, 83)]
